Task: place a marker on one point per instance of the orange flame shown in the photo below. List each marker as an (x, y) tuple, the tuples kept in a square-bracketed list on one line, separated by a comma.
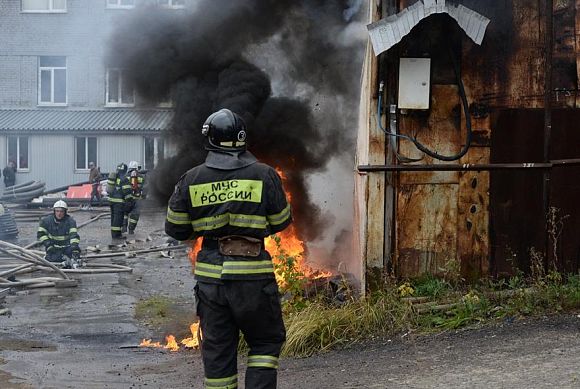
[(171, 342), (192, 342)]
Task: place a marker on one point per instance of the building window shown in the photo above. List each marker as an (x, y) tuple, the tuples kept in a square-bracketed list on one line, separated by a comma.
[(52, 81), (43, 5), (18, 152), (120, 3), (172, 3), (86, 151), (154, 152), (119, 92)]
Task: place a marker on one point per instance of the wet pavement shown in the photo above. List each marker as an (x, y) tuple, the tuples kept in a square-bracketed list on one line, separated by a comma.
[(84, 337)]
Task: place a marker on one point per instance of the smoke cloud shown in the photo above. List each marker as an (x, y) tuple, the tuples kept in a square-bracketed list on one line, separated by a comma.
[(299, 117)]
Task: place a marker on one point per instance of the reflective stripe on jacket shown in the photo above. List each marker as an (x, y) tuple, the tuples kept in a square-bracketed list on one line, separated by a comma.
[(119, 188), (212, 203), (58, 234)]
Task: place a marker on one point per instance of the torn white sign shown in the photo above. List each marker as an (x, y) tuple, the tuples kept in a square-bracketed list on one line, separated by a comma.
[(389, 31)]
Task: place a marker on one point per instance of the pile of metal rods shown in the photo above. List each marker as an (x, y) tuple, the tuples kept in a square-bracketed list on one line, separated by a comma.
[(35, 262)]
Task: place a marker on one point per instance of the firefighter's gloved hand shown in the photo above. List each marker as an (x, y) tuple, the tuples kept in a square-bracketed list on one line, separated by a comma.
[(70, 263), (76, 260)]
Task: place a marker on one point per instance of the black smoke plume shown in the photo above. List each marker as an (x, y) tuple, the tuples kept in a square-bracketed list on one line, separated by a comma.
[(206, 60)]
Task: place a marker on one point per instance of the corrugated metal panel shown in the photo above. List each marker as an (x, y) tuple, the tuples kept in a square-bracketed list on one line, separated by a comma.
[(56, 120)]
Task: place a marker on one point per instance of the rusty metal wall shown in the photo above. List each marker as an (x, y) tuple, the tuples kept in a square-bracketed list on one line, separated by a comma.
[(475, 223)]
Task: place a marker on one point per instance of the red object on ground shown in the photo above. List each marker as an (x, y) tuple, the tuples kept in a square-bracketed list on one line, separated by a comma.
[(79, 192)]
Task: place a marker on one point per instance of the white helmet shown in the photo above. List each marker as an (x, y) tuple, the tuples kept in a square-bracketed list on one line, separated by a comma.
[(60, 204), (133, 165)]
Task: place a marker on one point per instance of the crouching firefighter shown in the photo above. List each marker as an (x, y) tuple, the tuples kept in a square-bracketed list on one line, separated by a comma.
[(58, 233), (120, 198), (137, 182), (233, 202)]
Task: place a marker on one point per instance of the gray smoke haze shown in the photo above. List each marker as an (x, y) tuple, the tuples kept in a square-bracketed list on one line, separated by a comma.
[(214, 57)]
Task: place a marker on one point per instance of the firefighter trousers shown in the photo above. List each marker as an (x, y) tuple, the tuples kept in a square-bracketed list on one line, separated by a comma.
[(252, 307), (117, 212), (131, 219)]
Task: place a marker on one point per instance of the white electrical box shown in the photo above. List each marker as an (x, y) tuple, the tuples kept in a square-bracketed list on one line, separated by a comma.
[(414, 83)]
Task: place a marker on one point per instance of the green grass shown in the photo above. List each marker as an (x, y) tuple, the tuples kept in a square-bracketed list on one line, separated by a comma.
[(431, 287), (154, 310), (319, 326)]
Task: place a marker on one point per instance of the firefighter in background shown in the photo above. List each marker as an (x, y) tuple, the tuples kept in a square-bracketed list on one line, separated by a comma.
[(120, 198), (58, 233), (233, 202), (137, 189)]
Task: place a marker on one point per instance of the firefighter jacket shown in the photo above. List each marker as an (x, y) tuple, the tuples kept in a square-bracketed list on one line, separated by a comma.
[(58, 234), (210, 202), (119, 188)]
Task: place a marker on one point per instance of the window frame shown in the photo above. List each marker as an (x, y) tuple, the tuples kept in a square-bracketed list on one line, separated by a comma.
[(17, 156), (170, 5), (52, 69), (156, 160), (118, 5), (51, 9), (119, 91), (86, 169)]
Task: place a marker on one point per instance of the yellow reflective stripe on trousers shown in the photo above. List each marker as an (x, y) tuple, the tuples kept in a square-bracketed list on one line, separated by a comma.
[(233, 219), (177, 217), (247, 267), (208, 270), (115, 200), (115, 228), (222, 383), (263, 361), (281, 217)]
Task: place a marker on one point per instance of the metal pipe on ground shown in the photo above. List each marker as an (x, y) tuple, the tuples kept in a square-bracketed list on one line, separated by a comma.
[(123, 253)]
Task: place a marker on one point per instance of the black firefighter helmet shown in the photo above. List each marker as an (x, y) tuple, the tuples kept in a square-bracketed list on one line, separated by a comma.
[(225, 130), (122, 168)]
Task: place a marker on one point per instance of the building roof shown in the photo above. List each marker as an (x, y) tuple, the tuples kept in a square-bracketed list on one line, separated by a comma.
[(104, 120)]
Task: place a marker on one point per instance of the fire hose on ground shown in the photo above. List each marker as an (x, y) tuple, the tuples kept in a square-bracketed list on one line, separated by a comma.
[(36, 262)]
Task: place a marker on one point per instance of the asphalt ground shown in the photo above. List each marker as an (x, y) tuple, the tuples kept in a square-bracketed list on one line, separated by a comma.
[(87, 336)]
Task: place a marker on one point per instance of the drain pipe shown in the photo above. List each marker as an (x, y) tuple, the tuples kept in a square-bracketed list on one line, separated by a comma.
[(546, 187)]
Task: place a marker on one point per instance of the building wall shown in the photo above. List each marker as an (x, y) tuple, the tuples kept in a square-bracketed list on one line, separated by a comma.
[(3, 157), (81, 34), (56, 172), (469, 224)]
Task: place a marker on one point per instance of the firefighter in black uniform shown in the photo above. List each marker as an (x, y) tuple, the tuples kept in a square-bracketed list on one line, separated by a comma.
[(120, 198), (58, 233), (233, 202), (137, 182)]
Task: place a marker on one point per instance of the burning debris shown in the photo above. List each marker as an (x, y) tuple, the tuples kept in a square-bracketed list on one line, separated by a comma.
[(171, 344)]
